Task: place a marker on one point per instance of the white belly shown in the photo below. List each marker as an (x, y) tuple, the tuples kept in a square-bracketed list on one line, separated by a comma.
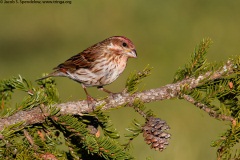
[(96, 77)]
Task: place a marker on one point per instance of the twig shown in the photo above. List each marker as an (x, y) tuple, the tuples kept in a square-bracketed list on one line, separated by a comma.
[(204, 107), (29, 138)]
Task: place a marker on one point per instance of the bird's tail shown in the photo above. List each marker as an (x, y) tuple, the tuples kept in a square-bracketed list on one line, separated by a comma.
[(53, 74), (44, 77)]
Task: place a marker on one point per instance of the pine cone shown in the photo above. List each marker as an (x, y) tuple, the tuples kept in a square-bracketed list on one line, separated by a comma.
[(154, 133)]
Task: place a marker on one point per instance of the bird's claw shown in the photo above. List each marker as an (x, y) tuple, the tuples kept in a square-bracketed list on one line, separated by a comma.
[(90, 102), (89, 98)]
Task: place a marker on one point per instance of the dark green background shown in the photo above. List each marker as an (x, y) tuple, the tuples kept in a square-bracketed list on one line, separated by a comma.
[(36, 38)]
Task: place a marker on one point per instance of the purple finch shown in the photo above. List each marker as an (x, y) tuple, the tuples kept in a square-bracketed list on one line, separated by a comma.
[(98, 65)]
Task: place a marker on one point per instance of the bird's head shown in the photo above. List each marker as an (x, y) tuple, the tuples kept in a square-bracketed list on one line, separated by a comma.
[(121, 46)]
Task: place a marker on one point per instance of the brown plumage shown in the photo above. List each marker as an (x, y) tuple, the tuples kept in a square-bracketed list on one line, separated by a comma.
[(98, 65)]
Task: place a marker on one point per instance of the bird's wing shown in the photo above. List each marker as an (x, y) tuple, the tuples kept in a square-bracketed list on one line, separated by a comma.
[(84, 59)]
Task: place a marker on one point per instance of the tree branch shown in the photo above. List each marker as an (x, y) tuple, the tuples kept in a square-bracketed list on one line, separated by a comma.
[(204, 107), (39, 113)]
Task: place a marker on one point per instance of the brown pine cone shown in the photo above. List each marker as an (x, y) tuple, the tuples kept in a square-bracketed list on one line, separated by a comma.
[(154, 133)]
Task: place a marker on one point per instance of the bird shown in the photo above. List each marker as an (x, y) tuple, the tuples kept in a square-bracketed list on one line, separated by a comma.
[(98, 65)]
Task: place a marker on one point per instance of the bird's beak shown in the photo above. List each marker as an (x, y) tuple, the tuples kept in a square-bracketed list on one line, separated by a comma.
[(132, 53)]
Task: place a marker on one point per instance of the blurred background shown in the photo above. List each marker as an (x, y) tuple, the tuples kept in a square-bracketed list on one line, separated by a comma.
[(34, 38)]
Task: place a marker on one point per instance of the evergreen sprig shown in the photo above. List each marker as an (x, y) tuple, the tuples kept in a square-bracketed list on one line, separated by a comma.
[(80, 136), (106, 124), (225, 91), (135, 129), (9, 131), (135, 78), (227, 142), (220, 95), (198, 64), (7, 87), (45, 94), (40, 141), (111, 149)]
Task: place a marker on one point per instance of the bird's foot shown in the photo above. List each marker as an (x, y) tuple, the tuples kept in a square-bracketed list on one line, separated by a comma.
[(91, 102)]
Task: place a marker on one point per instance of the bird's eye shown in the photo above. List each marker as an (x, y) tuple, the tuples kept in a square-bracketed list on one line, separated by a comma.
[(124, 44)]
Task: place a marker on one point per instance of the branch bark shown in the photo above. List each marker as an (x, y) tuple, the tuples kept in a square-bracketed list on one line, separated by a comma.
[(39, 113)]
